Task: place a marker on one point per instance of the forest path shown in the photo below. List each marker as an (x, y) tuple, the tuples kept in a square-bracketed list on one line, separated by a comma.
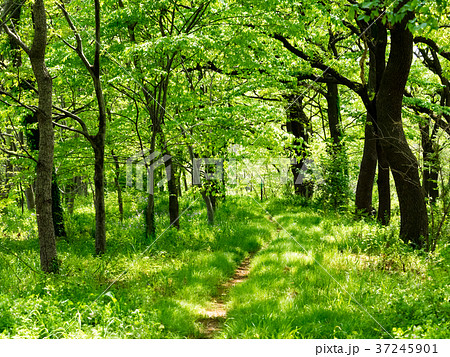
[(217, 312)]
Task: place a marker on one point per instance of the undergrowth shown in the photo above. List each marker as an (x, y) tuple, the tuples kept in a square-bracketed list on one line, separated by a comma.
[(319, 275)]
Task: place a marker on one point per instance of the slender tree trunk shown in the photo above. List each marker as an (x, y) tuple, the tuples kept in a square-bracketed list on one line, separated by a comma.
[(99, 197), (366, 178), (29, 195), (333, 111), (430, 163), (414, 219), (150, 211), (209, 206), (44, 168), (118, 187), (173, 192), (298, 124), (57, 210)]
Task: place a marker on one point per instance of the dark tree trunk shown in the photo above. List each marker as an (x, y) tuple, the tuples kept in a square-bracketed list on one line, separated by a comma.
[(298, 125), (209, 206), (334, 117), (99, 197), (414, 219), (150, 211), (118, 187), (430, 162), (373, 153), (172, 180), (364, 188), (57, 210), (384, 187)]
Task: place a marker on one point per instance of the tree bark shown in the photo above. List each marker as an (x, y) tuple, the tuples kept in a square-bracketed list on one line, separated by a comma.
[(384, 187), (298, 124), (57, 210), (117, 183), (373, 153), (366, 178), (334, 120), (209, 206), (174, 211), (29, 194), (44, 168), (430, 162), (414, 219), (99, 197)]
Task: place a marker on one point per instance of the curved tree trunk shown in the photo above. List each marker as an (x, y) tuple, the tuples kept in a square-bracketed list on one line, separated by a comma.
[(414, 219)]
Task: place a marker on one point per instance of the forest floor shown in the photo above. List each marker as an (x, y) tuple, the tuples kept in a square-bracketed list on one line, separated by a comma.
[(276, 269)]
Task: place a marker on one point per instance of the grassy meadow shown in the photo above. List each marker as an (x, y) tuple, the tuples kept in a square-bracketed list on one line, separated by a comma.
[(315, 274)]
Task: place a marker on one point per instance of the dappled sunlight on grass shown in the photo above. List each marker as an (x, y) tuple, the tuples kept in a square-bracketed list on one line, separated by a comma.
[(298, 285)]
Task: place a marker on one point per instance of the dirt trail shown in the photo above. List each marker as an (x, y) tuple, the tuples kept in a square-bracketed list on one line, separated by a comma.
[(217, 313)]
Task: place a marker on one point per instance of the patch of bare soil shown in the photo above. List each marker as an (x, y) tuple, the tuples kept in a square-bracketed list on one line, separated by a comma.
[(217, 312)]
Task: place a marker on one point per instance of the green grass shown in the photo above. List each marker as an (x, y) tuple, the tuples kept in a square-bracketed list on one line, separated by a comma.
[(298, 287), (326, 276), (163, 293)]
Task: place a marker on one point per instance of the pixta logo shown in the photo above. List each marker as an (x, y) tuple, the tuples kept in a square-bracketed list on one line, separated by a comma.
[(211, 169)]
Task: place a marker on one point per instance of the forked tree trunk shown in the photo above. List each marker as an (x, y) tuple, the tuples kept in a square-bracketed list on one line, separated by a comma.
[(414, 219), (373, 151)]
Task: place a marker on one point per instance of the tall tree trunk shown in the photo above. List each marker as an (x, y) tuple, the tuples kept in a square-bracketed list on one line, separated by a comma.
[(117, 183), (384, 187), (99, 197), (366, 178), (334, 117), (337, 178), (414, 219), (209, 206), (373, 153), (44, 168), (150, 211), (173, 192), (29, 195), (57, 210), (430, 162), (298, 124)]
